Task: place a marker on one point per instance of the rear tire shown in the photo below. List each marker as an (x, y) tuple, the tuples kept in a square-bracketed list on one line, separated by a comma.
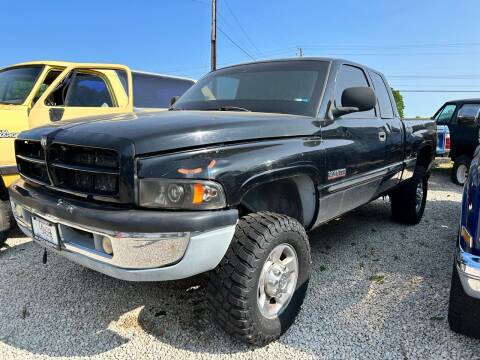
[(240, 297), (463, 310), (5, 221), (408, 201), (460, 169)]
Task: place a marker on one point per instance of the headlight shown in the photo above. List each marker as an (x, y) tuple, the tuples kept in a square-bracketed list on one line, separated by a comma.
[(181, 194)]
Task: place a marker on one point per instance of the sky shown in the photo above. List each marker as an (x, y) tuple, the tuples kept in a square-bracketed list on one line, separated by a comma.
[(418, 45)]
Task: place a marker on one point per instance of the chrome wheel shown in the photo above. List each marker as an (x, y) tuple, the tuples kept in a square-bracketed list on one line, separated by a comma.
[(462, 173), (419, 196), (277, 281)]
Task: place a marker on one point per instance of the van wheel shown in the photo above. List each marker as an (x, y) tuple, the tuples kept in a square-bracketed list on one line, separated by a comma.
[(408, 201), (256, 291), (463, 310), (5, 221), (460, 170)]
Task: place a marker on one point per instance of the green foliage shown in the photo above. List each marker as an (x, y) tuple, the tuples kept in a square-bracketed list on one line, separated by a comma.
[(399, 101)]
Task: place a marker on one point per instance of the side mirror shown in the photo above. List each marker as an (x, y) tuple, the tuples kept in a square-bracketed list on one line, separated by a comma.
[(466, 120), (356, 99), (173, 100)]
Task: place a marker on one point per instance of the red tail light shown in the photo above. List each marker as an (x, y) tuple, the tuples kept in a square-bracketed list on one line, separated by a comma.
[(447, 141)]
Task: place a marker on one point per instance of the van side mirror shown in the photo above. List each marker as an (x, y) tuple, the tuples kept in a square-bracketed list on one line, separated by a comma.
[(173, 100), (355, 99)]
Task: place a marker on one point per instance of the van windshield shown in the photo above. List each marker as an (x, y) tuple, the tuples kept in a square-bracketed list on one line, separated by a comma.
[(287, 87), (17, 83)]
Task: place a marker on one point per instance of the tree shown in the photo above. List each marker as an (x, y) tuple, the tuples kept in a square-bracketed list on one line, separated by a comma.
[(399, 101)]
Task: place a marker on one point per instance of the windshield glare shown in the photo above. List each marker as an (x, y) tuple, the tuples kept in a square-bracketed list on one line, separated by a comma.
[(16, 83), (288, 87)]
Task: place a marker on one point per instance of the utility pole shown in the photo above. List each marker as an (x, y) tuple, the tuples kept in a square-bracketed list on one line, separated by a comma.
[(214, 35), (300, 51)]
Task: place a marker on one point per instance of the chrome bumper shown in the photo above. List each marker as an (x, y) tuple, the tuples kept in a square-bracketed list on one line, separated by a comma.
[(468, 267), (136, 256)]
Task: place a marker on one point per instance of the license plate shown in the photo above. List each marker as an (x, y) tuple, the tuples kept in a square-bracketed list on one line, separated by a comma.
[(45, 231)]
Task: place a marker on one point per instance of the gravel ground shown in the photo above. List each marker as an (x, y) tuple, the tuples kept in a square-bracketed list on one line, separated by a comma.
[(378, 290)]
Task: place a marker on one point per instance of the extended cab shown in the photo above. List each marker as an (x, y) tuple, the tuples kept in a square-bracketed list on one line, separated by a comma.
[(227, 182), (37, 93), (458, 122)]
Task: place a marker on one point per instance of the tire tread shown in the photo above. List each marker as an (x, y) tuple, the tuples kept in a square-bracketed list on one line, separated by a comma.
[(233, 280)]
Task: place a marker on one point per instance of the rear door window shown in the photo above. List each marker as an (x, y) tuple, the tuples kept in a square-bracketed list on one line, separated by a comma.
[(351, 76), (386, 111), (469, 111)]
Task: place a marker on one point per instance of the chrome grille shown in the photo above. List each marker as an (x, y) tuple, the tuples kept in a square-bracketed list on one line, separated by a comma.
[(86, 170)]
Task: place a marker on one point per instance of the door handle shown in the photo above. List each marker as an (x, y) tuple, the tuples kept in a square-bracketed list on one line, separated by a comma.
[(382, 136)]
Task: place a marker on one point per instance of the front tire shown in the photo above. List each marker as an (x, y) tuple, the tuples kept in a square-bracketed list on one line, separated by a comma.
[(5, 221), (408, 201), (460, 170), (463, 310), (257, 290)]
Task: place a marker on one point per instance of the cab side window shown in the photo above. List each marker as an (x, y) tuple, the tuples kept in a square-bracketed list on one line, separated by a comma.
[(469, 111), (81, 90), (49, 79), (351, 76), (444, 115), (386, 111)]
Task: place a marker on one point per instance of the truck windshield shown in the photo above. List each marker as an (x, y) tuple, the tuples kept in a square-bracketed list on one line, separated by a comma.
[(16, 83), (287, 87)]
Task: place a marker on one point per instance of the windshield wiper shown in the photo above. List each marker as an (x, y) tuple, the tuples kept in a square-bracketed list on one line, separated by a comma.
[(228, 108)]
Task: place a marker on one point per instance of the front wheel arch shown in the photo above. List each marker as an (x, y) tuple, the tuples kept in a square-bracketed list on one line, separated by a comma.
[(294, 196)]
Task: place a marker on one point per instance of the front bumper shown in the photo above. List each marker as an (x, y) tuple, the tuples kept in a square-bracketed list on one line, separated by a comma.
[(468, 267), (147, 245)]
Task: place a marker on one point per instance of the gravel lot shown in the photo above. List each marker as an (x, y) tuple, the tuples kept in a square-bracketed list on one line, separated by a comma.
[(378, 290)]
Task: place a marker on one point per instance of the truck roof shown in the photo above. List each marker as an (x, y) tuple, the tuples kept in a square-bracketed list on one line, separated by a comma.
[(464, 101), (93, 65), (328, 59)]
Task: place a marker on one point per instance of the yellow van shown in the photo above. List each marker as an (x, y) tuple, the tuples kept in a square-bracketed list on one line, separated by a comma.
[(36, 93)]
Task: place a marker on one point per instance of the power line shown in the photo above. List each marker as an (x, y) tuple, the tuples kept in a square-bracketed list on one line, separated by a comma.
[(242, 28), (393, 47), (234, 43), (201, 2), (453, 77), (437, 91)]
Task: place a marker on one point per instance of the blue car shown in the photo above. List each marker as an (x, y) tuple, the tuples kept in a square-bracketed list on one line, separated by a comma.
[(464, 308)]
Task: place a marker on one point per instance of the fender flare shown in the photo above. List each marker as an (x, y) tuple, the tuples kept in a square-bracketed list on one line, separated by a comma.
[(286, 173)]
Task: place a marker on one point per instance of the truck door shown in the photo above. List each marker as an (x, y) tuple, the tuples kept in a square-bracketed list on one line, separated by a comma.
[(85, 91), (464, 129), (355, 151), (394, 132)]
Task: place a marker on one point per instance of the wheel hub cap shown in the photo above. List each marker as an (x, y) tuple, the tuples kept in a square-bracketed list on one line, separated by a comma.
[(277, 281), (462, 174)]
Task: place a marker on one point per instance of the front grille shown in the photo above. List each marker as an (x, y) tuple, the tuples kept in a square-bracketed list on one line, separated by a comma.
[(31, 160), (86, 170)]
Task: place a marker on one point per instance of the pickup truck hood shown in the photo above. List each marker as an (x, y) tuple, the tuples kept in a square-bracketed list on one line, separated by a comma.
[(171, 130)]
